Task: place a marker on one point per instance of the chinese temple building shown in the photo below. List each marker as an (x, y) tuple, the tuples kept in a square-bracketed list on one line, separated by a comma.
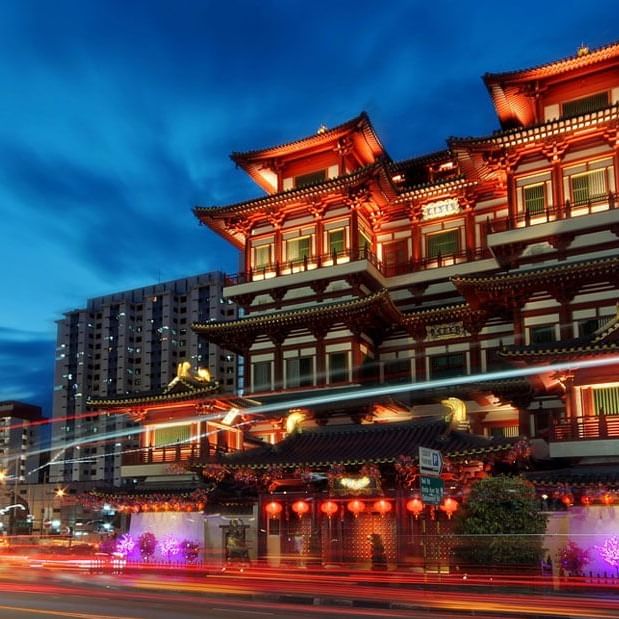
[(390, 305)]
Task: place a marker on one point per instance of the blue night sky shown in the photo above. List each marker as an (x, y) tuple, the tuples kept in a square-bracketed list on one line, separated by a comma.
[(117, 117)]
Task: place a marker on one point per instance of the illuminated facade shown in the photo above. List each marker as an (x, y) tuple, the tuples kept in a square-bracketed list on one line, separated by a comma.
[(362, 270), (497, 253)]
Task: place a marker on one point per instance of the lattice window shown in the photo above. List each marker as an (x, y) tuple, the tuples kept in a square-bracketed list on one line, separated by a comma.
[(310, 179), (299, 372), (298, 249), (172, 435), (585, 105), (606, 401), (534, 198), (443, 244), (337, 241), (588, 186)]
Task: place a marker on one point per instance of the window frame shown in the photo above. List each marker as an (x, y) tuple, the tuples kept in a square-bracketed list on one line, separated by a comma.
[(602, 173), (539, 329), (297, 240), (534, 212), (310, 178), (301, 379), (445, 372), (340, 375), (429, 237)]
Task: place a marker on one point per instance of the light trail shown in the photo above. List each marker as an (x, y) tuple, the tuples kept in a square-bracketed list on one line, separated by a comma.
[(346, 395)]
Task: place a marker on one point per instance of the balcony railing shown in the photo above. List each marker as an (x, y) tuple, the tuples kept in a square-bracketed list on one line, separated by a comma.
[(569, 210), (586, 428), (328, 260), (175, 453)]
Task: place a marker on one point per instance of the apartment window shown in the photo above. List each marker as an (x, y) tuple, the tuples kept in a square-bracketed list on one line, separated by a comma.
[(606, 401), (336, 241), (446, 366), (310, 179), (298, 249), (585, 105), (544, 334), (588, 186), (262, 376), (262, 256), (338, 367), (534, 197), (443, 243), (299, 372)]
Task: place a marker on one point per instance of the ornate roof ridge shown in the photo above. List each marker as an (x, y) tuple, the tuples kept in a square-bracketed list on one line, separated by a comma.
[(312, 309), (563, 64), (362, 121), (520, 275), (154, 397), (458, 182), (436, 155), (282, 196), (565, 124)]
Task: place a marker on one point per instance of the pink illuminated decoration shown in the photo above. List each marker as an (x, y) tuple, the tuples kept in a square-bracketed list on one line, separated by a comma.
[(415, 506), (356, 506), (274, 509), (300, 508), (125, 544), (450, 507), (329, 508), (609, 551), (382, 507)]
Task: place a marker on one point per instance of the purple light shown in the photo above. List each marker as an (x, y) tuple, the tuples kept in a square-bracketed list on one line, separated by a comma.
[(125, 544), (609, 551)]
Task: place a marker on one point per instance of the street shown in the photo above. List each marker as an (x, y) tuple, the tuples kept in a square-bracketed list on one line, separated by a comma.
[(45, 594)]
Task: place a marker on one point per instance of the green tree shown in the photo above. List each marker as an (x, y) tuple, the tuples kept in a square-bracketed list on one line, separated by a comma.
[(501, 524)]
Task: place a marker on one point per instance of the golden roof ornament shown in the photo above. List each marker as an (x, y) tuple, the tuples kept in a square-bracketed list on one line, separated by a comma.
[(583, 50), (322, 129), (184, 373), (457, 417)]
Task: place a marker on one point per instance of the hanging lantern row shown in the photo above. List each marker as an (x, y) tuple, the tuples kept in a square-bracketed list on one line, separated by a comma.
[(416, 506), (330, 508), (606, 498)]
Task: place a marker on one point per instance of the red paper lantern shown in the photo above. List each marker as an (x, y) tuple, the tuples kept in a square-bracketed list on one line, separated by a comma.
[(415, 506), (449, 506), (608, 498), (329, 508), (382, 507), (586, 500), (355, 506), (300, 508), (273, 508), (567, 500)]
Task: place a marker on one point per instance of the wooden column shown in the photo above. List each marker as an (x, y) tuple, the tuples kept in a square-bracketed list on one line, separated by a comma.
[(277, 247), (512, 204), (518, 324), (416, 240), (557, 189), (354, 234), (278, 361), (469, 233)]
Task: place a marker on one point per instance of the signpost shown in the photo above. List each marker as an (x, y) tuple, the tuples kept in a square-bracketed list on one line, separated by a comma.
[(430, 467), (432, 490)]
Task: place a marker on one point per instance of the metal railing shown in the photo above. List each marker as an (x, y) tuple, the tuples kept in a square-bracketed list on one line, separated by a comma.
[(586, 428), (569, 210), (388, 269)]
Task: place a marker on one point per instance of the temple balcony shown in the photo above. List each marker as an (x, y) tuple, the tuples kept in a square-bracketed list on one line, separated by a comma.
[(594, 435), (344, 264), (153, 461), (597, 214)]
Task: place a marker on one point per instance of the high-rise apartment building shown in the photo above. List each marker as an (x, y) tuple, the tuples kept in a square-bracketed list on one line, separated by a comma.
[(126, 343)]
